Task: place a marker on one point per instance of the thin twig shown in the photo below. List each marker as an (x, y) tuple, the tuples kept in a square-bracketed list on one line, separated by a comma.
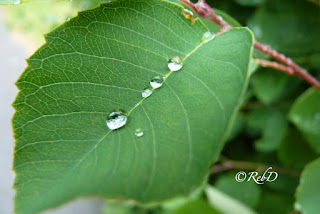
[(275, 65), (205, 11)]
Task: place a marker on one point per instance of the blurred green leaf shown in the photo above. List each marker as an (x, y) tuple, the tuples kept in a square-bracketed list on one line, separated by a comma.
[(307, 195), (270, 86), (271, 124), (178, 202), (294, 150), (34, 18), (305, 114), (246, 192), (285, 183), (224, 203), (288, 26), (196, 206), (250, 2), (275, 203), (118, 207)]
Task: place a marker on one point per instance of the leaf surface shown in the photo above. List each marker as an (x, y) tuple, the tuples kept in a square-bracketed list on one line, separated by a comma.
[(102, 60), (307, 195), (305, 114)]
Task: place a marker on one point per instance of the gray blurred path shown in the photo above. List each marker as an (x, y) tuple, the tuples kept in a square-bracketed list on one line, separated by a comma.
[(12, 63)]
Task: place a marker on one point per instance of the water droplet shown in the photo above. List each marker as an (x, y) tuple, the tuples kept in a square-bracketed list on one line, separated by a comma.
[(146, 92), (15, 2), (138, 132), (116, 119), (187, 13), (175, 63), (68, 18), (156, 82), (207, 37)]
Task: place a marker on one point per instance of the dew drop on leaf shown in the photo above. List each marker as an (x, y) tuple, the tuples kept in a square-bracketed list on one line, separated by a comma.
[(15, 2), (146, 92), (156, 82), (175, 63), (207, 37), (187, 13), (68, 18), (116, 119), (138, 132)]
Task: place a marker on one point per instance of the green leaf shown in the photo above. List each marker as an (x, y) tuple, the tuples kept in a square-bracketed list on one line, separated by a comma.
[(249, 2), (101, 61), (286, 183), (119, 207), (196, 206), (294, 151), (305, 114), (35, 18), (307, 195), (286, 27), (270, 86), (224, 203), (246, 192), (271, 124), (275, 203), (128, 207)]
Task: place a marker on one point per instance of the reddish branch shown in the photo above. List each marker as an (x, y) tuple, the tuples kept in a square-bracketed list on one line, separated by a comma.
[(284, 63), (275, 65)]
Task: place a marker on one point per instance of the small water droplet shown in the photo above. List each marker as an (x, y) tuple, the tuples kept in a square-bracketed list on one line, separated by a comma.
[(116, 119), (15, 2), (68, 18), (138, 132), (146, 92), (175, 63), (187, 13), (207, 37), (156, 82)]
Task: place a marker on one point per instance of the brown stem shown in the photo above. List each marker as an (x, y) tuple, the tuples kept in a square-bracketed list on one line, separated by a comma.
[(205, 11), (298, 71), (244, 165), (275, 65)]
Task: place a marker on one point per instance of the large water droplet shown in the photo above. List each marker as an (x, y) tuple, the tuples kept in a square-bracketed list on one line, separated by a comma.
[(175, 63), (156, 82), (146, 92), (138, 132), (116, 119), (187, 13), (207, 37), (16, 2)]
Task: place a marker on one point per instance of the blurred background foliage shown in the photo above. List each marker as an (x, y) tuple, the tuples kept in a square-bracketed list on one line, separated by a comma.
[(279, 121)]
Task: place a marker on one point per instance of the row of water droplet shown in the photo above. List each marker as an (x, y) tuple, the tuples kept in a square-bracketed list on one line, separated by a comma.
[(118, 118)]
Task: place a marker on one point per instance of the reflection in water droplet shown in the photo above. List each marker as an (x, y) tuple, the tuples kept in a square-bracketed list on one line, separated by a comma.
[(16, 2), (116, 119), (156, 82), (207, 37), (138, 132), (175, 63), (146, 92), (187, 13)]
